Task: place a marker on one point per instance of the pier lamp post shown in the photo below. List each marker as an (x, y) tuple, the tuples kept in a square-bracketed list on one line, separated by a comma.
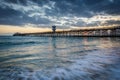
[(53, 29)]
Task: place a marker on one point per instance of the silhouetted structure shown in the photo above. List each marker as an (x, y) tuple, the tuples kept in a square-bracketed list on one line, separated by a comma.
[(53, 29), (96, 32)]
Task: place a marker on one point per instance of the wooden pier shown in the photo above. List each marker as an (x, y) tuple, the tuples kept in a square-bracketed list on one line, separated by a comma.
[(88, 32)]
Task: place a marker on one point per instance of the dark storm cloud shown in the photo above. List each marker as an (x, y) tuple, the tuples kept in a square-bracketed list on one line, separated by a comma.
[(13, 13), (16, 1), (12, 17), (107, 6), (83, 7), (47, 12), (112, 22), (5, 13), (74, 7)]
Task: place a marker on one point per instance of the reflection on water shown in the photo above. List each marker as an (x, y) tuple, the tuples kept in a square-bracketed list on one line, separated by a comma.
[(59, 58), (53, 42)]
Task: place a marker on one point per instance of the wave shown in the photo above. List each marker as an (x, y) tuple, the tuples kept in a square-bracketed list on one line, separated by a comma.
[(91, 67), (20, 43)]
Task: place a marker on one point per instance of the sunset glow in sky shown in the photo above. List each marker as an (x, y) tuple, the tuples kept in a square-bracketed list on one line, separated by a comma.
[(40, 15)]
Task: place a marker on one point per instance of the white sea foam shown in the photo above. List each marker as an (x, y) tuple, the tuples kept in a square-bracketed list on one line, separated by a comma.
[(93, 65)]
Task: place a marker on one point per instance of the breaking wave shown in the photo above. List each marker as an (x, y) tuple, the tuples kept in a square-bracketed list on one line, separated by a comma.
[(91, 67)]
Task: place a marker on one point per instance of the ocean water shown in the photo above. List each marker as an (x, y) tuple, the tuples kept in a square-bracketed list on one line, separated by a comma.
[(59, 58)]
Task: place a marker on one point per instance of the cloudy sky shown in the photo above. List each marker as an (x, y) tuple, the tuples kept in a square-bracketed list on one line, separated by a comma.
[(40, 15)]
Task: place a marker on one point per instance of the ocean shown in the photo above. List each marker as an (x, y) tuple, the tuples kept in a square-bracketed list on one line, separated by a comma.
[(59, 58)]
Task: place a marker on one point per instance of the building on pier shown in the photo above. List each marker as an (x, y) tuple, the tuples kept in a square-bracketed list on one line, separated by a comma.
[(54, 28)]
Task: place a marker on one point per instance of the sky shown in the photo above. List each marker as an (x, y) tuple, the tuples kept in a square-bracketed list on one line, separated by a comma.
[(40, 15)]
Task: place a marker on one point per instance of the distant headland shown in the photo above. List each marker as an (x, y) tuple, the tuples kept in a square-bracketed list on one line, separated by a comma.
[(87, 32)]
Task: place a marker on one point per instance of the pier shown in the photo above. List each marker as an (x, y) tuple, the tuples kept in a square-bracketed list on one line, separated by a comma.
[(85, 32)]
